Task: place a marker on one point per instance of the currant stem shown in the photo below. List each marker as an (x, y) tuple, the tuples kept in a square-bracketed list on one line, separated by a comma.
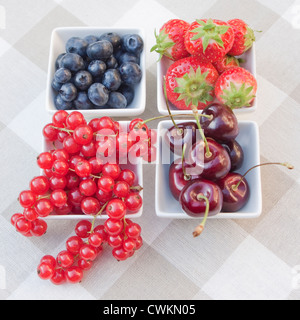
[(97, 215), (196, 115), (199, 229), (284, 164), (137, 188), (62, 129)]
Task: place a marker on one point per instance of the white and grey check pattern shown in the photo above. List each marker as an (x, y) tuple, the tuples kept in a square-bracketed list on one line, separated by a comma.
[(233, 259)]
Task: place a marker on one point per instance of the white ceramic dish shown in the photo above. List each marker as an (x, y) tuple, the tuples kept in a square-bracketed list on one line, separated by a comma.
[(163, 66), (138, 169), (167, 207), (58, 41)]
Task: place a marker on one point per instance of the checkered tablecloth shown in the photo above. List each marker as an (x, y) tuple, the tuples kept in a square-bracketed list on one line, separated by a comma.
[(233, 259)]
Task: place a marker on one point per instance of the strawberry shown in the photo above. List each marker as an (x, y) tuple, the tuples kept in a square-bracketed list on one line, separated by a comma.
[(170, 41), (236, 87), (243, 37), (225, 63), (190, 83), (211, 38)]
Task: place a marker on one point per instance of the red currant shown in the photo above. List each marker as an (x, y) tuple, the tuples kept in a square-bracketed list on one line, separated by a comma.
[(70, 145), (15, 217), (38, 228), (121, 189), (101, 231), (73, 180), (139, 243), (129, 245), (60, 154), (75, 197), (95, 239), (83, 229), (97, 165), (73, 244), (83, 169), (39, 185), (120, 254), (83, 134), (44, 208), (133, 230), (106, 184), (134, 202), (49, 133), (59, 277), (60, 168), (59, 198), (116, 209), (84, 264), (45, 160), (65, 259), (45, 271), (89, 150), (88, 187), (75, 119), (49, 260), (30, 214), (57, 183), (27, 199), (111, 170), (103, 197), (115, 241), (87, 252), (127, 176), (74, 274), (113, 227), (74, 160), (90, 206), (59, 118), (23, 225)]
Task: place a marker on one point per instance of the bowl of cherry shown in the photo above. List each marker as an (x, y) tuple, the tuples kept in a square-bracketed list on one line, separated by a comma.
[(97, 71), (200, 166)]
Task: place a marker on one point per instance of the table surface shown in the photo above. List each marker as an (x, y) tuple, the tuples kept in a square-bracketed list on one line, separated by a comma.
[(233, 259)]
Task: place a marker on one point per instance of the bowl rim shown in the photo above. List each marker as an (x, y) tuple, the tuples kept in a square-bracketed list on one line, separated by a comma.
[(221, 215), (141, 104), (161, 106), (139, 173)]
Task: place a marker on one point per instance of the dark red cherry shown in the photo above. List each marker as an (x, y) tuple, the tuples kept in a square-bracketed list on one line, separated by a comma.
[(223, 126), (184, 133), (216, 165), (235, 192), (178, 180), (193, 205), (236, 154)]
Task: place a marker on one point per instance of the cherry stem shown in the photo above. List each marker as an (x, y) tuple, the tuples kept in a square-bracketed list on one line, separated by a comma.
[(208, 154), (186, 176), (97, 215), (174, 115), (199, 229), (284, 164)]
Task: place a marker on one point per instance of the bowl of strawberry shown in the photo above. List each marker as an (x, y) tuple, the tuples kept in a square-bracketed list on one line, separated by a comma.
[(204, 62), (97, 71)]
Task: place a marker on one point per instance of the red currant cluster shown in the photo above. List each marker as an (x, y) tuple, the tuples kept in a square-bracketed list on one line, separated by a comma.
[(83, 174), (82, 249)]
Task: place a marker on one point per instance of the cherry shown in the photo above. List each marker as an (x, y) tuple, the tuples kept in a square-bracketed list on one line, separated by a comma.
[(222, 126), (234, 198), (192, 202), (215, 165), (178, 180), (183, 133), (236, 154)]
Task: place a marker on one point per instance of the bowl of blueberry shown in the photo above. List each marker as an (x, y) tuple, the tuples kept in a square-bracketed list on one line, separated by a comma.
[(97, 71)]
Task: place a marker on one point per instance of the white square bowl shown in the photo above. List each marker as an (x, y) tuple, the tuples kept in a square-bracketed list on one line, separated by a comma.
[(165, 204), (163, 65), (59, 39), (137, 169)]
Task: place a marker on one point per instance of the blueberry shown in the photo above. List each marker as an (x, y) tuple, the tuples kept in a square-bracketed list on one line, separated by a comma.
[(97, 68), (72, 61), (56, 85), (132, 43), (98, 94), (117, 101), (83, 80), (61, 104), (68, 92), (128, 57), (128, 93), (62, 75), (82, 102), (131, 73), (91, 39), (111, 63), (77, 45), (113, 38), (58, 59), (100, 50), (112, 79)]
